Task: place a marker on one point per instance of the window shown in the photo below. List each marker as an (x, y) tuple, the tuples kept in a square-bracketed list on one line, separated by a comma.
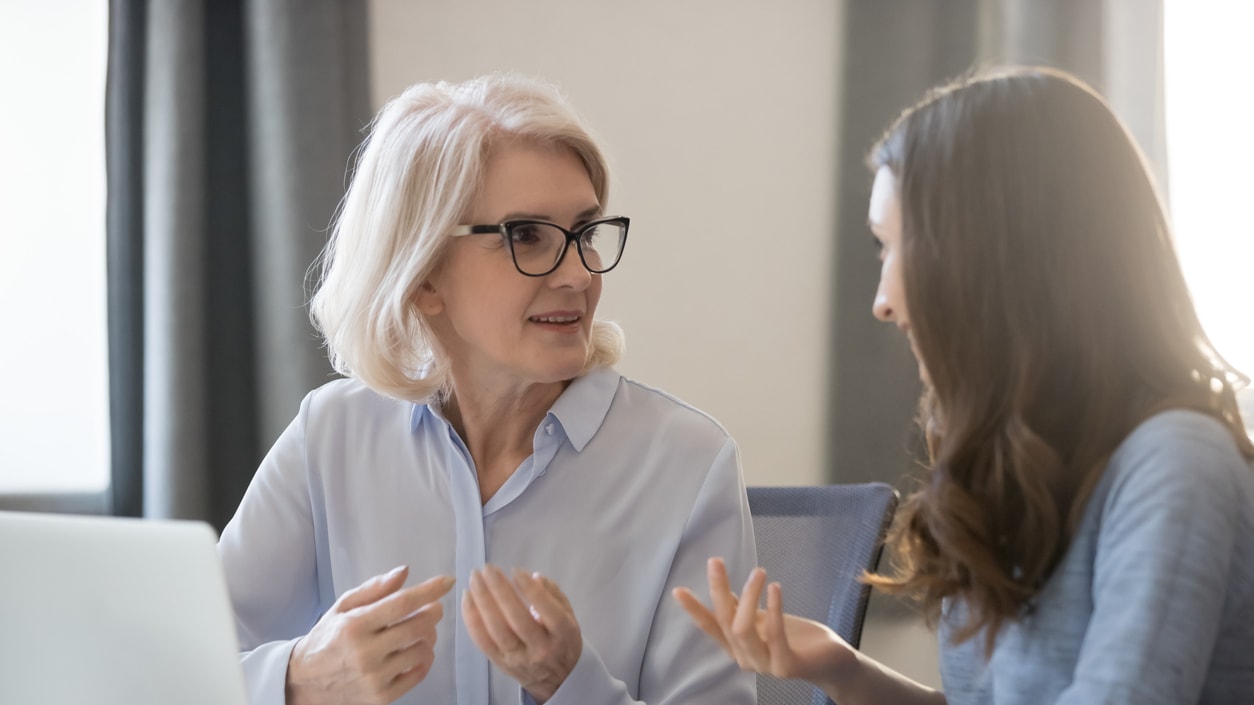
[(54, 422), (1210, 147)]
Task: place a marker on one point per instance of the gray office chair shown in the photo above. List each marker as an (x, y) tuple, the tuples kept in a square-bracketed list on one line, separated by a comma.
[(817, 541)]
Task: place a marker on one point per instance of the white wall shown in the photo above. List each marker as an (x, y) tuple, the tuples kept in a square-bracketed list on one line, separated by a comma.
[(719, 118)]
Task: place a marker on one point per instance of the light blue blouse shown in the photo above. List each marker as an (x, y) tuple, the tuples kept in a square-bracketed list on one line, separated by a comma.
[(627, 493), (1153, 603)]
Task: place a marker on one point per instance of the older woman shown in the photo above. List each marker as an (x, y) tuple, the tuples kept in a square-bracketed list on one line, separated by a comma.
[(1086, 531), (482, 438)]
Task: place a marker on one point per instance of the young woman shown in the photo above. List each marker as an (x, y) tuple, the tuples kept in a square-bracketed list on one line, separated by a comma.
[(1085, 533), (482, 436)]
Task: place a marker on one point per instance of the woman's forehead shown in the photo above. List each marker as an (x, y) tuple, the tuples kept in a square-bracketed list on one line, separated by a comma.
[(527, 180), (884, 209)]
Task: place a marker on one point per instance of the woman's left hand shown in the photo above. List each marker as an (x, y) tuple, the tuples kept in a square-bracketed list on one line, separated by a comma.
[(768, 640), (525, 626)]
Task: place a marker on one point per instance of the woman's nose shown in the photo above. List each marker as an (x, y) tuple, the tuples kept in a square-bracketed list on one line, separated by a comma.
[(881, 308), (571, 272)]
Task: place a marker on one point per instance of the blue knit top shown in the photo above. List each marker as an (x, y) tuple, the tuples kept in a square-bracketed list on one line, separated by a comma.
[(1153, 601)]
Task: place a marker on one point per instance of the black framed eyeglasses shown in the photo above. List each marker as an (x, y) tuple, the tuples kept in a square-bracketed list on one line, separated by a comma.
[(538, 247)]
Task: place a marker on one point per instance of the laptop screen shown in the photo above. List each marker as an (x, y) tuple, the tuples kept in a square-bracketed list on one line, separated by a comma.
[(109, 611)]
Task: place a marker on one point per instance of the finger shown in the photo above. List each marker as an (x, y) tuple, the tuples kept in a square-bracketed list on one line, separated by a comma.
[(477, 626), (550, 587), (721, 597), (411, 667), (417, 628), (776, 635), (516, 613), (501, 638), (748, 642), (372, 590), (414, 657), (703, 617), (402, 603), (549, 607)]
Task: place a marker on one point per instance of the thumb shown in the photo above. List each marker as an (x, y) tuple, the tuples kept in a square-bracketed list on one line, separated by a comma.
[(373, 590)]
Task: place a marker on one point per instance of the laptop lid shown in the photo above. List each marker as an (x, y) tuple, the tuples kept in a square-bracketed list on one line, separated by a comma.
[(110, 611)]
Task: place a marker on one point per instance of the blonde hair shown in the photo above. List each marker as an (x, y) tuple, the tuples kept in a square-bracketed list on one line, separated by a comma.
[(417, 175)]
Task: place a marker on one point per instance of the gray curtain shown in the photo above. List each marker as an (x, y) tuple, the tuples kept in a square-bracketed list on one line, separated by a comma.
[(230, 124), (1115, 45), (894, 50)]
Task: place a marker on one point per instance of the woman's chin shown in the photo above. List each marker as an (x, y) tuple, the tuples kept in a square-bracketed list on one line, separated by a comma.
[(565, 370)]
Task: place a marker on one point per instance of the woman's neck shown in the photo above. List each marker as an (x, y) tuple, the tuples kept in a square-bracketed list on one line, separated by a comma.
[(498, 425)]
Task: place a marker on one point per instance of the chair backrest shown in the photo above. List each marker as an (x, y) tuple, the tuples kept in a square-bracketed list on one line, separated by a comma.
[(817, 541)]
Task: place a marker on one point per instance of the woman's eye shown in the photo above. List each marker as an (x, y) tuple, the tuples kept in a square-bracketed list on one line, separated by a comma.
[(524, 234)]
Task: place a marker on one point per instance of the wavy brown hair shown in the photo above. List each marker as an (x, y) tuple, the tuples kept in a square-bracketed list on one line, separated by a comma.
[(1048, 306)]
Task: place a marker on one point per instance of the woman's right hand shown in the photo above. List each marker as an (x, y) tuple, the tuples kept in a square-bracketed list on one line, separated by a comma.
[(767, 640), (375, 643)]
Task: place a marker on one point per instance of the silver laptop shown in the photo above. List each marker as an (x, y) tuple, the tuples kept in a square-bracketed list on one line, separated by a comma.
[(106, 611)]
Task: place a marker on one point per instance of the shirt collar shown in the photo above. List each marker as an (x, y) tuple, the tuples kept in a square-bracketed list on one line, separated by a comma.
[(420, 411), (580, 410), (582, 407)]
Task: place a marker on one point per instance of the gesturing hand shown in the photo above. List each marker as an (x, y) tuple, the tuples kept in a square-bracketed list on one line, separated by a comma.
[(767, 641), (525, 626), (374, 644)]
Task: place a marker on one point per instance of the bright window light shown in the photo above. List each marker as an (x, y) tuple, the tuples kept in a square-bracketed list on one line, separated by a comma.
[(1210, 147), (54, 420)]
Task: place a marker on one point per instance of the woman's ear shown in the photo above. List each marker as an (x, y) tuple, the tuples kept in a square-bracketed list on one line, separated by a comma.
[(428, 300)]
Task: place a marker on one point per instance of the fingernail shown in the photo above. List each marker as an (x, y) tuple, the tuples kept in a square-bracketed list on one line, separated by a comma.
[(447, 582), (395, 571)]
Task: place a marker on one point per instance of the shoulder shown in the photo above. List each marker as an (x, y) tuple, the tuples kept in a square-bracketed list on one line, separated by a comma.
[(1178, 448), (343, 400), (1177, 463), (610, 410), (668, 410)]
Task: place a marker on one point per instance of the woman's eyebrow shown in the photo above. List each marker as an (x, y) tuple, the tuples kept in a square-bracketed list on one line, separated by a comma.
[(586, 214), (520, 215)]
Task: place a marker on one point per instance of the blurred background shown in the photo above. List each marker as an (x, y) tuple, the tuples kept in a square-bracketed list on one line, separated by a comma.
[(164, 287)]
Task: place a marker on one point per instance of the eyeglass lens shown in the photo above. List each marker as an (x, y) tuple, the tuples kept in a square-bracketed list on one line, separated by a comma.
[(537, 247)]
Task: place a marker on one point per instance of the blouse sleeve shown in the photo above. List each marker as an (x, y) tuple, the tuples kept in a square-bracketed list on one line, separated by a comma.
[(268, 555)]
